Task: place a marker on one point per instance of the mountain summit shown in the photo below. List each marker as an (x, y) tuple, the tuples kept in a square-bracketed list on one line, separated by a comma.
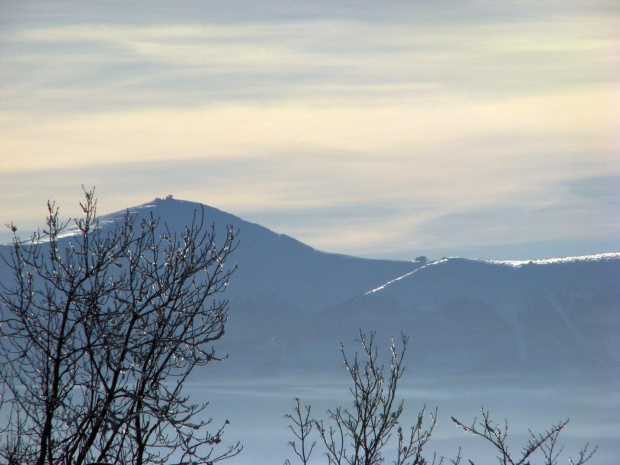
[(276, 264)]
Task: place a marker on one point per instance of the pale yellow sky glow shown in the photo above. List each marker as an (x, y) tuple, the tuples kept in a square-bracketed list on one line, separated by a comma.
[(490, 135)]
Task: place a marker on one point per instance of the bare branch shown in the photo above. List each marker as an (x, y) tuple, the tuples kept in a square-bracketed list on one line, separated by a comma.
[(546, 444), (359, 435)]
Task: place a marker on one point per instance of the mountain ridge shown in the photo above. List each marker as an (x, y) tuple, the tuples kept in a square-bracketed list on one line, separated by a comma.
[(296, 272), (466, 314)]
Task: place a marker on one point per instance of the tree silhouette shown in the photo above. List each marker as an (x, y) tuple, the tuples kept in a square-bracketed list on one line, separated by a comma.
[(100, 329)]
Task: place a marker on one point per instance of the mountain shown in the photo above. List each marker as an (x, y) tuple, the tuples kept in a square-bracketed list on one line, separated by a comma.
[(540, 316), (277, 266), (534, 341), (291, 305)]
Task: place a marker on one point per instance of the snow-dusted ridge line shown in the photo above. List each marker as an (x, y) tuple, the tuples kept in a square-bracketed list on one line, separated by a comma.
[(548, 261), (111, 218), (511, 263)]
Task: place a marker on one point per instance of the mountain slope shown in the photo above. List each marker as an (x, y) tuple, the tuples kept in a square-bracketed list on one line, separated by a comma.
[(272, 264), (475, 315)]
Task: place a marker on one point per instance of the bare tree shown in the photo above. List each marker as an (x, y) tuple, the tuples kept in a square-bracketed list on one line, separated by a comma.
[(544, 444), (301, 427), (360, 435), (99, 332)]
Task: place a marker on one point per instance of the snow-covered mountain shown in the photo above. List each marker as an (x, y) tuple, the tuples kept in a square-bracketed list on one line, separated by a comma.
[(292, 305)]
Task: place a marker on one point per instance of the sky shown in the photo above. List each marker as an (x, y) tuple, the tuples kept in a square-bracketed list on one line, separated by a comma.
[(382, 129)]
